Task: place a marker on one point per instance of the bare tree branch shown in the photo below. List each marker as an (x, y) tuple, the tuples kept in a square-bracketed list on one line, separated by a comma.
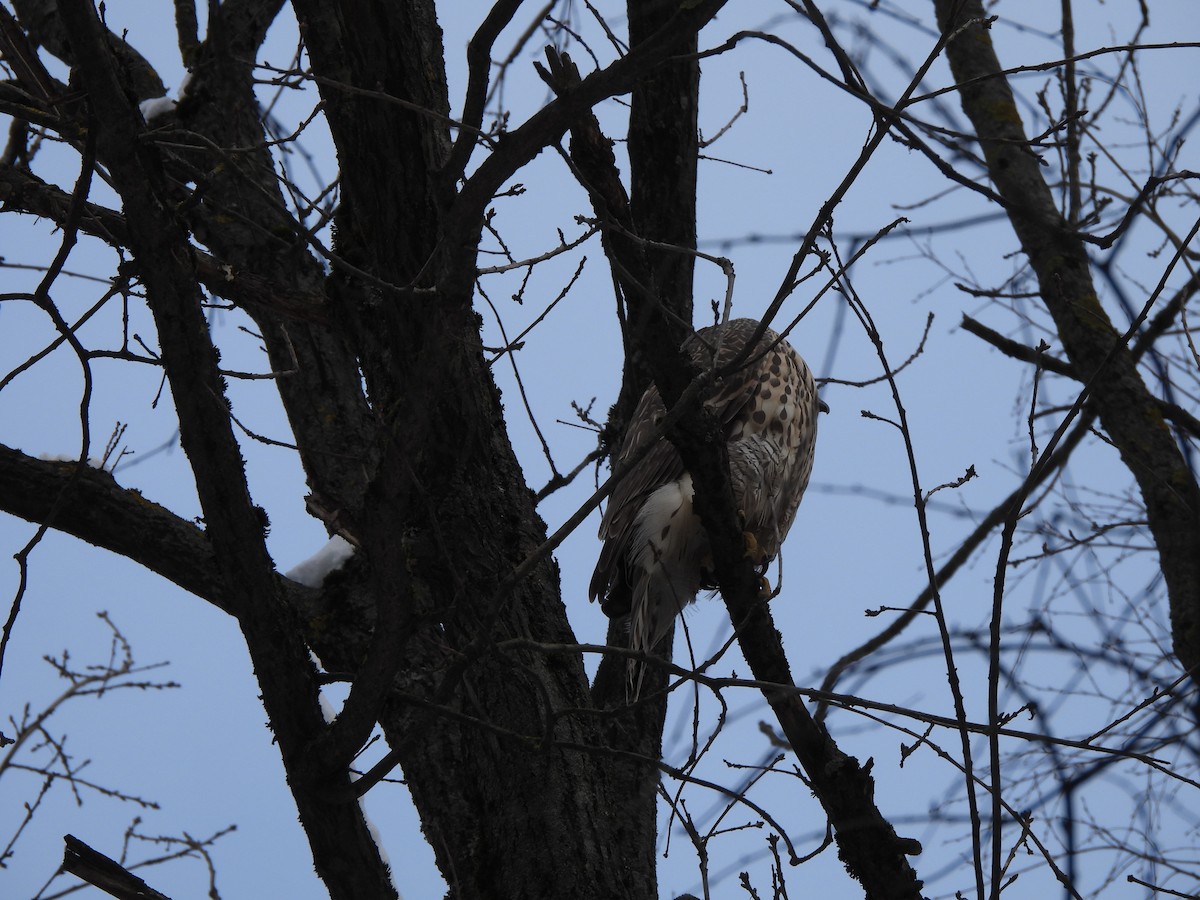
[(1093, 346), (106, 874), (93, 507)]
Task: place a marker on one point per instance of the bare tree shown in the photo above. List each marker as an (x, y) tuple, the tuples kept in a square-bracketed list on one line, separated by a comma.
[(447, 626)]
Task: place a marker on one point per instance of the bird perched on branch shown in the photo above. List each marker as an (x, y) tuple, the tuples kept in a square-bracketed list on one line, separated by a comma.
[(656, 554)]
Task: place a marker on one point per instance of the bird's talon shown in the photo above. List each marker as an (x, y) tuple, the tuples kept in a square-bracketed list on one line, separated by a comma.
[(752, 549)]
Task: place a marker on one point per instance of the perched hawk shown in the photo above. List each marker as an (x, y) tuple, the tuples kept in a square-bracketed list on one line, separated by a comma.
[(656, 555)]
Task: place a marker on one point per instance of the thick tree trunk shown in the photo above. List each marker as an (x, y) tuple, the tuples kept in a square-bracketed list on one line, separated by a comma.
[(512, 802)]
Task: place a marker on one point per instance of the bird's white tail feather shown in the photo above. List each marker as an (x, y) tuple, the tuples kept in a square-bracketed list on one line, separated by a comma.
[(671, 546)]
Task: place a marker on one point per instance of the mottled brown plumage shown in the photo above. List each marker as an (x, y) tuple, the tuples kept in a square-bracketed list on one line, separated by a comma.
[(655, 556)]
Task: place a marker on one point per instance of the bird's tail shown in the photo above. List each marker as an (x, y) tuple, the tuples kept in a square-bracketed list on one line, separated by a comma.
[(658, 597), (669, 544)]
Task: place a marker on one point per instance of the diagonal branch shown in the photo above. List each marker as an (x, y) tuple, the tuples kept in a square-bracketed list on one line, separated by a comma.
[(25, 192), (103, 873), (1095, 349), (94, 508), (869, 846), (479, 66)]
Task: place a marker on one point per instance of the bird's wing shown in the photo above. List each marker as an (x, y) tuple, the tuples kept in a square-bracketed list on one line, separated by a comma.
[(734, 391), (660, 465)]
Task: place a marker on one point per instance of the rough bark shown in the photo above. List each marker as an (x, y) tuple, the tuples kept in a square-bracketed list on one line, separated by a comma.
[(89, 504), (1095, 349), (664, 152), (663, 157), (245, 222), (464, 711)]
